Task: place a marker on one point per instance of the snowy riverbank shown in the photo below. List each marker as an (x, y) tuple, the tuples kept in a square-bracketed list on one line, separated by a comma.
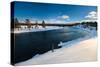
[(80, 52), (23, 30)]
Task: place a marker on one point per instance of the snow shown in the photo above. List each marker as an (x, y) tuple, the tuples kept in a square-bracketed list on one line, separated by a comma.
[(23, 30), (79, 50)]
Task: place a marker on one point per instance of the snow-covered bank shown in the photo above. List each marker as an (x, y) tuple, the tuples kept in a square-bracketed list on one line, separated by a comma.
[(82, 51), (23, 30)]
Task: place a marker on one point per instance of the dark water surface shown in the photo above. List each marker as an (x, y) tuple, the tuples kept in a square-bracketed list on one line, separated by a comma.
[(29, 44)]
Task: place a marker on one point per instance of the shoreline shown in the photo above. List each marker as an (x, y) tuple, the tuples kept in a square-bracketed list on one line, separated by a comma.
[(35, 30)]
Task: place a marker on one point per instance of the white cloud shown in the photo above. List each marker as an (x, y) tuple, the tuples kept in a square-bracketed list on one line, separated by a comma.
[(64, 17), (92, 15), (59, 20), (56, 21)]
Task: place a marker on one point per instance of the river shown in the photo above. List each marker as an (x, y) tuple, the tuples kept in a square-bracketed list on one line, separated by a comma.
[(27, 45)]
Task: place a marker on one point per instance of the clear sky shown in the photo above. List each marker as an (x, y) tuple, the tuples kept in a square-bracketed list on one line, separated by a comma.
[(53, 12)]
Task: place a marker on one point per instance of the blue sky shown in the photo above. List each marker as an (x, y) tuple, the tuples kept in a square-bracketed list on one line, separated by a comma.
[(52, 12)]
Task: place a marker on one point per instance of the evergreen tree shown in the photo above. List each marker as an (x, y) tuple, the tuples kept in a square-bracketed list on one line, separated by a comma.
[(28, 22), (43, 24), (16, 25), (36, 24)]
